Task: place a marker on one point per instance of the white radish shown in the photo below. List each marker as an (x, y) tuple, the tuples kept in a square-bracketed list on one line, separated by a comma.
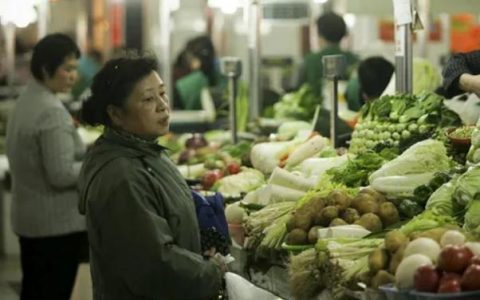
[(286, 179), (308, 149)]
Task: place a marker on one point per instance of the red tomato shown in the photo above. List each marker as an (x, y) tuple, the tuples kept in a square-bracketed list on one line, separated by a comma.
[(475, 260), (471, 278), (451, 285), (454, 258), (426, 279), (210, 177), (233, 168)]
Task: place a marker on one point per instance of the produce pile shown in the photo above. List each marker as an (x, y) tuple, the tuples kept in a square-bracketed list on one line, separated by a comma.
[(342, 218), (400, 121)]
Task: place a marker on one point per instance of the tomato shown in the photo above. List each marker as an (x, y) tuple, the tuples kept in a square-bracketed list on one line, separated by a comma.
[(233, 168), (451, 285), (454, 258), (475, 260), (471, 278), (210, 177), (426, 279)]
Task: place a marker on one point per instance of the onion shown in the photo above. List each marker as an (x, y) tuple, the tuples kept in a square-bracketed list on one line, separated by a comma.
[(452, 237)]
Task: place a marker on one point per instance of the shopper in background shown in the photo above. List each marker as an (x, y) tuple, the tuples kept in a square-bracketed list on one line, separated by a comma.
[(462, 74), (88, 66), (141, 220), (331, 29), (200, 59), (373, 76), (44, 153)]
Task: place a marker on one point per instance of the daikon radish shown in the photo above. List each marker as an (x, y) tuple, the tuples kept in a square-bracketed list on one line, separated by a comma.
[(308, 149), (286, 179)]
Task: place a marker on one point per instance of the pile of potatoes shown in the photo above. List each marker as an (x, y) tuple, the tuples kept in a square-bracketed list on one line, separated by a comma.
[(369, 209)]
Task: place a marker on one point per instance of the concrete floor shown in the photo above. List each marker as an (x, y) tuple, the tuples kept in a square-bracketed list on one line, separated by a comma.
[(11, 274), (10, 277)]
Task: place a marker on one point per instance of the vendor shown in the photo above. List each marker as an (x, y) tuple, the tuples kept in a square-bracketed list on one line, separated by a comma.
[(200, 59), (462, 74), (331, 29), (373, 75)]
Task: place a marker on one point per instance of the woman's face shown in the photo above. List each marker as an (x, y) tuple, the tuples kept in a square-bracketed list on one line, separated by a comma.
[(64, 77), (146, 112)]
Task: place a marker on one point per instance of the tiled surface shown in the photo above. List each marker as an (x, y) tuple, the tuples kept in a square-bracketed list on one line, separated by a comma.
[(10, 275)]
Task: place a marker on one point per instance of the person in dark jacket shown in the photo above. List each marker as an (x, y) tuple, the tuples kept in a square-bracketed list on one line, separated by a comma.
[(462, 74), (142, 226)]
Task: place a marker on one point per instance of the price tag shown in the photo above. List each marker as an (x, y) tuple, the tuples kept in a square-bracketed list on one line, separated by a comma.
[(402, 11)]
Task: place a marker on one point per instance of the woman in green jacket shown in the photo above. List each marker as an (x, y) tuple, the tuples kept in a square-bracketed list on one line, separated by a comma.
[(141, 221)]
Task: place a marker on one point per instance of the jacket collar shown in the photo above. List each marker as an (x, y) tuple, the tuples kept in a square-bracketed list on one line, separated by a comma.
[(135, 143)]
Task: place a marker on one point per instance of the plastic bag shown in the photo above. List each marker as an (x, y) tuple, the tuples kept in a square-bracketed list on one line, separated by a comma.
[(238, 288)]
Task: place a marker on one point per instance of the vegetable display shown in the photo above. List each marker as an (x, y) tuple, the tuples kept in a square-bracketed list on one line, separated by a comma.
[(400, 121)]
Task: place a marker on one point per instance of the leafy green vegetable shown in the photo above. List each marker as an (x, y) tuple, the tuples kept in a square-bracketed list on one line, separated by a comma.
[(441, 201), (468, 188), (425, 221), (298, 105), (238, 150), (356, 171), (410, 208), (472, 219)]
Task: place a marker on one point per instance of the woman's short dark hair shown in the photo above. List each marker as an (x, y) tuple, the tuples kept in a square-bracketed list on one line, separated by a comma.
[(50, 52), (374, 74), (331, 27), (113, 84), (202, 48)]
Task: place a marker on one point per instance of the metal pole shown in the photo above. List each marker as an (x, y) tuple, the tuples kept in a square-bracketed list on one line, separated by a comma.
[(334, 114), (232, 68), (164, 52), (254, 18), (233, 108), (403, 46), (334, 68)]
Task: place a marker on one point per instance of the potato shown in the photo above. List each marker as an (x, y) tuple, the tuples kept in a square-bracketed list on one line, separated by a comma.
[(337, 222), (378, 260), (379, 197), (388, 213), (370, 222), (396, 259), (394, 240), (313, 234), (381, 278), (350, 215), (339, 199), (303, 221), (297, 237), (326, 216)]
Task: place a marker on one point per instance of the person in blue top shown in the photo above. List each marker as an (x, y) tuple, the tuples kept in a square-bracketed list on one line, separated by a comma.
[(88, 66)]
